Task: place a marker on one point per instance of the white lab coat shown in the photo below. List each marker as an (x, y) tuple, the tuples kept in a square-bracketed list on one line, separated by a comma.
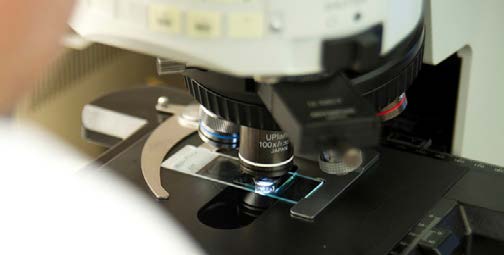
[(48, 206)]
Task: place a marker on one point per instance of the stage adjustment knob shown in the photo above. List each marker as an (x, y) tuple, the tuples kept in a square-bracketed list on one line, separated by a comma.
[(340, 162)]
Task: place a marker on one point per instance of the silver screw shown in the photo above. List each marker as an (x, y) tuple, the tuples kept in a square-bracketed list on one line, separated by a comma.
[(162, 104), (276, 24)]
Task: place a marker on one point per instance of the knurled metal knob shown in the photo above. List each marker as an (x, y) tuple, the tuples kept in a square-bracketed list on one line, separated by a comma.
[(217, 131), (340, 163)]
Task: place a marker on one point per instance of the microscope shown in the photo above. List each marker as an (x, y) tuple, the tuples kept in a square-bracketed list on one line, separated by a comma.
[(282, 142)]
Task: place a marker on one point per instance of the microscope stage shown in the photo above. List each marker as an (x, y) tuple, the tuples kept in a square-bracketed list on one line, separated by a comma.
[(393, 208)]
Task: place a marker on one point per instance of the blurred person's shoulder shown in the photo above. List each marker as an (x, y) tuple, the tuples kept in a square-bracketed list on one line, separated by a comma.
[(51, 205), (25, 145)]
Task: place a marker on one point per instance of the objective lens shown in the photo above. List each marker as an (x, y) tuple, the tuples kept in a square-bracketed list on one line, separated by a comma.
[(218, 132), (264, 185), (394, 109), (265, 153)]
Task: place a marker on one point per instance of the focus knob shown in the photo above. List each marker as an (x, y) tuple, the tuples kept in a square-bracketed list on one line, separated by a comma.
[(340, 162)]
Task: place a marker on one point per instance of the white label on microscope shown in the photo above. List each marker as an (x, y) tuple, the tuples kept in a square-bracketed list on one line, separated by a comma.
[(278, 146), (275, 136), (189, 159)]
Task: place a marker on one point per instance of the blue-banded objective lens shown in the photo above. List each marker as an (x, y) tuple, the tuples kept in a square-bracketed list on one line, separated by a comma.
[(217, 131)]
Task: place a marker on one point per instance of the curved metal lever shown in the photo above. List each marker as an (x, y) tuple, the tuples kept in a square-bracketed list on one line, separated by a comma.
[(160, 142)]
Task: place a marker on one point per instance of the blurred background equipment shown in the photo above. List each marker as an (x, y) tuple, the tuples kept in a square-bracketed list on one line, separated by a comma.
[(83, 72)]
